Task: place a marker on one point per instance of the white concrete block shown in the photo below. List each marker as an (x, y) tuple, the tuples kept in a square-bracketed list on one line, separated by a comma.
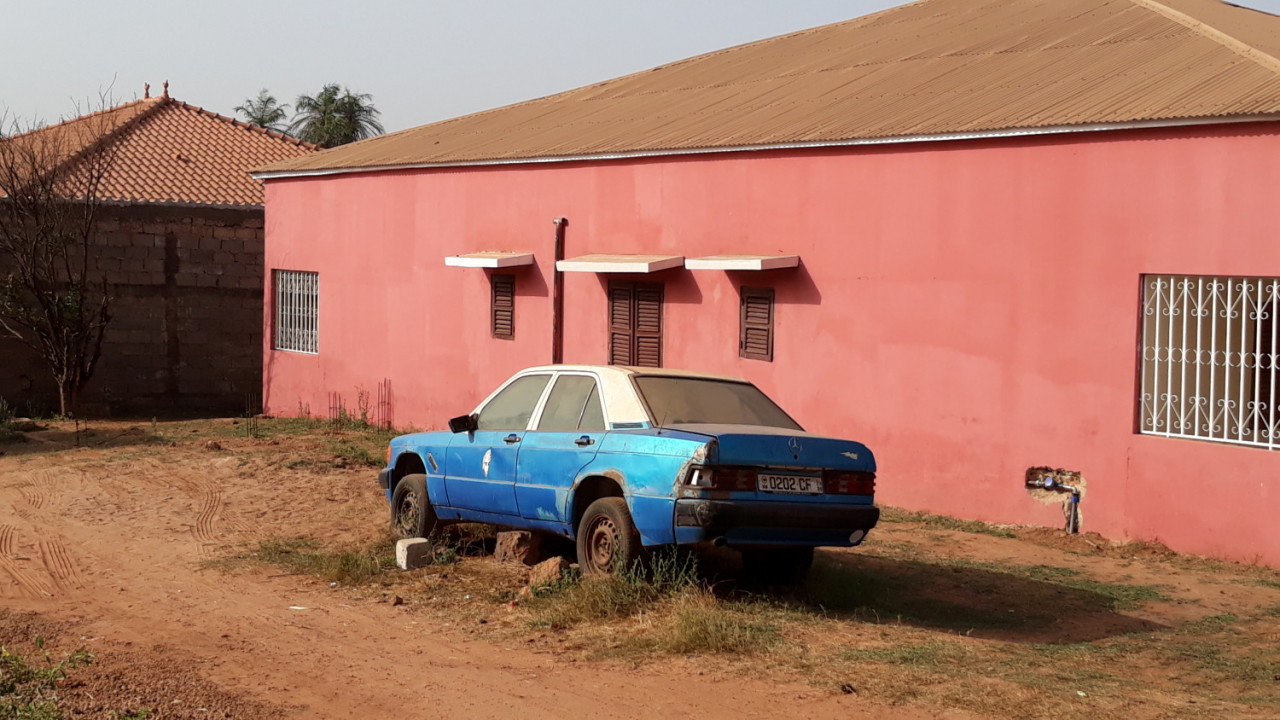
[(413, 553)]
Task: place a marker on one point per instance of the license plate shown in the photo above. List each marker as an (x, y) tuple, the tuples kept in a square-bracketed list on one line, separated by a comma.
[(794, 484)]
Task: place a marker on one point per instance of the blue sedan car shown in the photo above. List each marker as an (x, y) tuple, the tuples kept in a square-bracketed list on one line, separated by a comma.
[(621, 459)]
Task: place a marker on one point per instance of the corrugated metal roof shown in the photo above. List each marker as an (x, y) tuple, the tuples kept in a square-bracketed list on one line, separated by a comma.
[(171, 152), (934, 67)]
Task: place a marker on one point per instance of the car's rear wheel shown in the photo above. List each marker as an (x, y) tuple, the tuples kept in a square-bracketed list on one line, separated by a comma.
[(411, 511), (608, 542), (777, 566)]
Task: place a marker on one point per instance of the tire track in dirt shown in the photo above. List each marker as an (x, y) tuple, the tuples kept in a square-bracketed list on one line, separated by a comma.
[(41, 487), (62, 568), (27, 584), (205, 530), (33, 495), (6, 539)]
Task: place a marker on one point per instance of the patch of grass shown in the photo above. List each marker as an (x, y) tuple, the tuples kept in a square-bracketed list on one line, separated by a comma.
[(943, 522), (1233, 664), (1273, 611), (8, 436), (929, 654), (347, 566), (702, 624), (29, 690), (580, 599), (587, 599), (1123, 596), (1267, 582), (351, 452)]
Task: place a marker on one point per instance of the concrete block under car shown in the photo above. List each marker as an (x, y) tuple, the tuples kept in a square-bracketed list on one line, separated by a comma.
[(548, 572), (518, 546), (413, 553)]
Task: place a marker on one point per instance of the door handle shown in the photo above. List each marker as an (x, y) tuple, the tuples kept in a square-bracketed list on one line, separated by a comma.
[(583, 441), (511, 439)]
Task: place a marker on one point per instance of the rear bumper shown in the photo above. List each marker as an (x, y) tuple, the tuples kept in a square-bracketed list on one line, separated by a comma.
[(749, 522)]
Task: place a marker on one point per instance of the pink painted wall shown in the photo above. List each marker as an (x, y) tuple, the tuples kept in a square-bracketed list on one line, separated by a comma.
[(967, 309)]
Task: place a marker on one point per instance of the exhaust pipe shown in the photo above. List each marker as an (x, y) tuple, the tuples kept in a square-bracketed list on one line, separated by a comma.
[(719, 542)]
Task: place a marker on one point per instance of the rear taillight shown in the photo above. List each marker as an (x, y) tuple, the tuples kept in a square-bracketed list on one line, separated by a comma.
[(841, 482), (723, 478)]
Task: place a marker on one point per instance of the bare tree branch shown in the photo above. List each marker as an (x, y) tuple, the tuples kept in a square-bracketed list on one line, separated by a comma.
[(51, 296)]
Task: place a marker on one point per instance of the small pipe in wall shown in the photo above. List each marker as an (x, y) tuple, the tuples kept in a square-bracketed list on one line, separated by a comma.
[(557, 295)]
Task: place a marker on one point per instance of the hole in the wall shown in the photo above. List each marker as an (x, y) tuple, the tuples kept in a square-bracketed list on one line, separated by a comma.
[(1058, 486)]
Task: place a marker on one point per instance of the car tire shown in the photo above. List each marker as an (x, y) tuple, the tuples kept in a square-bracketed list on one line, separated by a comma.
[(608, 543), (411, 513), (777, 566)]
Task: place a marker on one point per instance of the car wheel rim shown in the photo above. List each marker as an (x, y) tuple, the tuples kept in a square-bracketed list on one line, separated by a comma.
[(407, 513), (602, 544)]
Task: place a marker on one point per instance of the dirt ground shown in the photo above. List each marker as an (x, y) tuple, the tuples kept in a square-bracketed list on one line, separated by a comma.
[(122, 541)]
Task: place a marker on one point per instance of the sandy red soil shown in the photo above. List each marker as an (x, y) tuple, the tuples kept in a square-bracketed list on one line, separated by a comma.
[(108, 547)]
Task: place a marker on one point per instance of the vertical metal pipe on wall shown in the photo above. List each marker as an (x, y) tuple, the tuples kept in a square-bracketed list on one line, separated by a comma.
[(557, 295)]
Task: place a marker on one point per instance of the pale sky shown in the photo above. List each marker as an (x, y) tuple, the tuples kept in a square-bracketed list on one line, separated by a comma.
[(422, 61)]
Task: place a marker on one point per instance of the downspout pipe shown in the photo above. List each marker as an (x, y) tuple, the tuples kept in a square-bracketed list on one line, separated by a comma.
[(557, 295)]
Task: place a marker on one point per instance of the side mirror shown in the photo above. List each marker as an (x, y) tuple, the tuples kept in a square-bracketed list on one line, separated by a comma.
[(464, 423)]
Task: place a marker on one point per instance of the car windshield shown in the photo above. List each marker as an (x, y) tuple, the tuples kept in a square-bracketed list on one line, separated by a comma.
[(680, 400)]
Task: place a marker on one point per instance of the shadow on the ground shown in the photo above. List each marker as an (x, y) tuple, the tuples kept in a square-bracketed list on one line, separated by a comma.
[(1044, 606), (59, 438)]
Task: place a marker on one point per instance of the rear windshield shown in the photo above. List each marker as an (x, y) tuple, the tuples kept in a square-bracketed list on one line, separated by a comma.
[(679, 400)]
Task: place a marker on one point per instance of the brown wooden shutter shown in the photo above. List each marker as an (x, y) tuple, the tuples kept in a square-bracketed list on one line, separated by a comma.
[(621, 331), (503, 306), (635, 324), (755, 338), (648, 326)]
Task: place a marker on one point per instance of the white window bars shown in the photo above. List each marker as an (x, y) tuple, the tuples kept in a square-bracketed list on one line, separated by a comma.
[(297, 310), (1209, 358)]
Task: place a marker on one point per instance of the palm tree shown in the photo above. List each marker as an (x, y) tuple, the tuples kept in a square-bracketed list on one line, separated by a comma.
[(335, 116), (264, 111)]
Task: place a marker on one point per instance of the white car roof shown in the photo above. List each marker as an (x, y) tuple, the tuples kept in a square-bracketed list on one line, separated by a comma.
[(628, 371), (621, 402)]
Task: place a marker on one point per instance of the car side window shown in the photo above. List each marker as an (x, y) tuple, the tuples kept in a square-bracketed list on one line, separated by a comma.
[(564, 409), (593, 413), (512, 408)]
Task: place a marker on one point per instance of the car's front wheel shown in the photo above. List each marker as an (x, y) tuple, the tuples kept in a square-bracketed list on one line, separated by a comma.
[(608, 542), (411, 511)]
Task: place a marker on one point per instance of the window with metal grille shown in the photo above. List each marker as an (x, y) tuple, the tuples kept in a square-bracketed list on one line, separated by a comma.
[(1209, 358), (755, 334), (635, 324), (297, 298), (502, 306)]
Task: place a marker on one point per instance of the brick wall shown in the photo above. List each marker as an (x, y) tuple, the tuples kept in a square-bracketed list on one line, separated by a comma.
[(186, 332)]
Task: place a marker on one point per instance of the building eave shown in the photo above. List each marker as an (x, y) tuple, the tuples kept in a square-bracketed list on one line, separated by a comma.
[(767, 147)]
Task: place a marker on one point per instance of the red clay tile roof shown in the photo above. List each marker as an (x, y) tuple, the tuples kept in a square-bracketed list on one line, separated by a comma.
[(930, 69), (173, 153)]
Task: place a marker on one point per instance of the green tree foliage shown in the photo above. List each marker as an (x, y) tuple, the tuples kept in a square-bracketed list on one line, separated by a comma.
[(335, 116), (264, 111)]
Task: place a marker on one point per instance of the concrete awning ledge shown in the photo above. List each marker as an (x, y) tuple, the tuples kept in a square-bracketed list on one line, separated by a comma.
[(490, 259), (620, 263), (742, 262)]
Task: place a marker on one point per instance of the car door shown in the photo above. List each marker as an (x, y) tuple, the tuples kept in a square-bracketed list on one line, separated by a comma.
[(482, 464), (567, 435)]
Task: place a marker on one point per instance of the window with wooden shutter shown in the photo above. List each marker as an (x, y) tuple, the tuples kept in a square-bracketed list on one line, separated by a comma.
[(503, 306), (621, 332), (635, 324), (755, 337)]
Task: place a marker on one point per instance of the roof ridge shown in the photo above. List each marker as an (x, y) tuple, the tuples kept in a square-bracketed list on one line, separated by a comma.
[(95, 113), (247, 126), (1206, 30)]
